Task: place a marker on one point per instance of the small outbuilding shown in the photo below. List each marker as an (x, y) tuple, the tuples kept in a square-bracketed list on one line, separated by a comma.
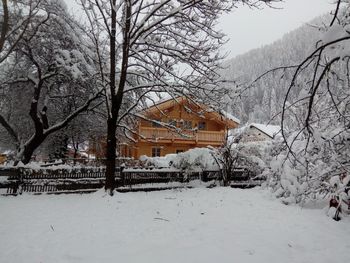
[(255, 132)]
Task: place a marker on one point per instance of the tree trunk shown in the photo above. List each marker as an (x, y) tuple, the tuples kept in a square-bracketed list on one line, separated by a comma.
[(116, 97), (75, 154), (5, 24), (113, 114), (30, 147), (110, 155)]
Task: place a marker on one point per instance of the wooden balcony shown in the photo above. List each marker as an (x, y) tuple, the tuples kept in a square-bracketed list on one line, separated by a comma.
[(188, 137)]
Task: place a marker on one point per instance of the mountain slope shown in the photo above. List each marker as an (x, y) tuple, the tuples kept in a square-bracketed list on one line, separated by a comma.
[(262, 102)]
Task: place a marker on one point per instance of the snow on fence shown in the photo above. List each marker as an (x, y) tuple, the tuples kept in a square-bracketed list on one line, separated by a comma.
[(131, 177), (17, 180), (91, 162)]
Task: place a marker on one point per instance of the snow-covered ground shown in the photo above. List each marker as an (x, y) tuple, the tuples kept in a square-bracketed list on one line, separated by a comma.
[(191, 225)]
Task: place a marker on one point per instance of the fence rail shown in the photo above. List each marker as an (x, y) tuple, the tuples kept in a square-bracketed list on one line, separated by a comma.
[(17, 180), (151, 133)]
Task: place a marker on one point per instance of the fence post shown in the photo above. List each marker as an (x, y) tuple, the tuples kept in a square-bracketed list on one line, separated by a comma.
[(122, 176), (204, 177), (20, 181)]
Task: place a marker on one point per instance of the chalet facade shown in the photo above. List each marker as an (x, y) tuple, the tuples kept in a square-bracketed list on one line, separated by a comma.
[(175, 126), (3, 158)]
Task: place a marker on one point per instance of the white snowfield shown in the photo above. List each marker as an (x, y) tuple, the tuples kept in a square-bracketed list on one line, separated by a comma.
[(192, 225)]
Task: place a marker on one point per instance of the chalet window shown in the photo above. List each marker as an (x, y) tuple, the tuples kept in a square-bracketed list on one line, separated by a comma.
[(187, 125), (156, 152), (201, 125), (156, 123), (172, 122), (179, 151)]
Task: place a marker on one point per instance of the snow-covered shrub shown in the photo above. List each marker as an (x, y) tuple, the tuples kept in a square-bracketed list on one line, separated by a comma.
[(197, 159), (255, 156), (315, 161), (312, 170), (252, 156), (158, 162)]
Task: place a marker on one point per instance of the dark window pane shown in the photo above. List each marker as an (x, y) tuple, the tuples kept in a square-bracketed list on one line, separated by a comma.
[(155, 152), (201, 125), (188, 125), (156, 123), (172, 122)]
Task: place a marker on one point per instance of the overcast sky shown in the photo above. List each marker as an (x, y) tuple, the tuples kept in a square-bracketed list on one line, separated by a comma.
[(252, 28), (248, 29)]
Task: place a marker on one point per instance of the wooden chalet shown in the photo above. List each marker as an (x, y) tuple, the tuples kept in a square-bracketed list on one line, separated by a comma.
[(3, 158), (177, 125)]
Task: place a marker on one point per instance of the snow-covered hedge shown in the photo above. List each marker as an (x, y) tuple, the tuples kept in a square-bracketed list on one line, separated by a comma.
[(318, 173), (58, 165), (197, 159), (254, 155)]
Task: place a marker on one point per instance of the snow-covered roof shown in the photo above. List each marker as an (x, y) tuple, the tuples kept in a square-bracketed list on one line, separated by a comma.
[(155, 102), (229, 116), (6, 152), (270, 130), (220, 115)]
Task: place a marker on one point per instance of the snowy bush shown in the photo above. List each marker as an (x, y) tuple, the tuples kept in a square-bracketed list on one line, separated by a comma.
[(316, 169), (313, 163), (197, 159), (255, 156)]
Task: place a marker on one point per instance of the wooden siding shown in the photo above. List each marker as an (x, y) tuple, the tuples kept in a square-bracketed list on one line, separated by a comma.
[(165, 135), (147, 136), (170, 141), (180, 114), (181, 136), (2, 158)]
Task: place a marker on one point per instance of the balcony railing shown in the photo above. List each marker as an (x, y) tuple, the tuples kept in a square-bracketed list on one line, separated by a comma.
[(162, 134)]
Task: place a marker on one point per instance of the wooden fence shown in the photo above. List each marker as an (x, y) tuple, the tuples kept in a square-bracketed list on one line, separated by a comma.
[(91, 162), (18, 180)]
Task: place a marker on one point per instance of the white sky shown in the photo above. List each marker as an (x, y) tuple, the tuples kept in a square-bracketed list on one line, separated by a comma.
[(248, 29), (251, 28)]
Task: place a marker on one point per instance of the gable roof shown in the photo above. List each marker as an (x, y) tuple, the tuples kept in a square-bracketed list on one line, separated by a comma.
[(222, 117), (230, 116), (269, 130)]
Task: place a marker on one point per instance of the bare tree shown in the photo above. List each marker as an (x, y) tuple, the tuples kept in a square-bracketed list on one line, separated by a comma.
[(226, 158), (330, 66), (154, 47), (315, 117), (52, 62), (17, 19)]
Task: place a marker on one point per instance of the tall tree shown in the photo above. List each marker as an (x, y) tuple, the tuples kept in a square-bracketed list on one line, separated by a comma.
[(50, 64), (315, 118), (156, 46)]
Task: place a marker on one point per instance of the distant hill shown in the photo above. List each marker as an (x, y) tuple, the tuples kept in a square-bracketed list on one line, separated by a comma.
[(264, 100)]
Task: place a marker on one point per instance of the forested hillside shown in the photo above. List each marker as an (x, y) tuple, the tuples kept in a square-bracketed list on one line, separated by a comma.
[(308, 94), (262, 101)]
